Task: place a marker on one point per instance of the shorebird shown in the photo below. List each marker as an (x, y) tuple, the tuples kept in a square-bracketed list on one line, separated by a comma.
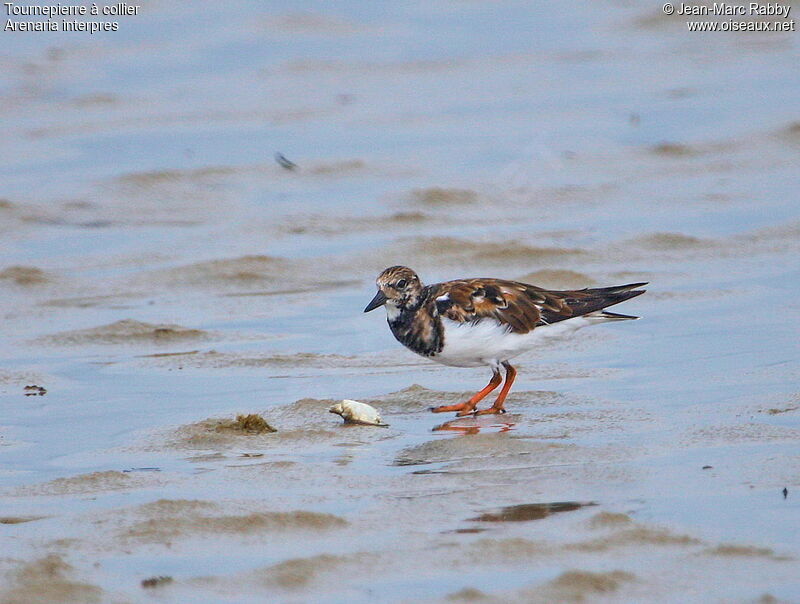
[(476, 322)]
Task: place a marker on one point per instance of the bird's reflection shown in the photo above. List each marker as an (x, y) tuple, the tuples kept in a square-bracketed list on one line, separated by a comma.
[(473, 425)]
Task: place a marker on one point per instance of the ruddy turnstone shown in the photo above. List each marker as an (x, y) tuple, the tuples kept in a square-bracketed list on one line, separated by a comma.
[(475, 322)]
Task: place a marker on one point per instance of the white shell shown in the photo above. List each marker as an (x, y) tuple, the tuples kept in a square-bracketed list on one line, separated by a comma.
[(355, 412)]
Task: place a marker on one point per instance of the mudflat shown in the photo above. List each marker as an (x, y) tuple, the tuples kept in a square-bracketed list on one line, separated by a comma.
[(171, 293)]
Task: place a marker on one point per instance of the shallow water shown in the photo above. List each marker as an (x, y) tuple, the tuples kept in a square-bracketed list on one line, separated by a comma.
[(160, 271)]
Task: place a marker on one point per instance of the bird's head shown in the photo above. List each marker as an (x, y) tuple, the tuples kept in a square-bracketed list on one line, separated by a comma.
[(398, 288)]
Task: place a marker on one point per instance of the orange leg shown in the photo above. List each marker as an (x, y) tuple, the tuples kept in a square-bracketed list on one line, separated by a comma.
[(511, 374), (466, 408)]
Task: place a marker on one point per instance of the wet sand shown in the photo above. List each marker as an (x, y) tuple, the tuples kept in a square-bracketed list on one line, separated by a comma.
[(165, 282)]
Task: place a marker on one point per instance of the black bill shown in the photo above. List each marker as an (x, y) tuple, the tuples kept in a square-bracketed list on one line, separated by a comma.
[(378, 300)]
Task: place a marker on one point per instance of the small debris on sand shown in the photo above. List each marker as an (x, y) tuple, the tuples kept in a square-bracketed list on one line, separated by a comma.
[(156, 582), (252, 423), (284, 163), (355, 412)]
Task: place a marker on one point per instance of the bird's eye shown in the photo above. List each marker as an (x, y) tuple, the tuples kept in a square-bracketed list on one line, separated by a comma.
[(400, 284)]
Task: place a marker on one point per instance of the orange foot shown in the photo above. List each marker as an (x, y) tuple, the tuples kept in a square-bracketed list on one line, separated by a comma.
[(466, 408), (490, 410)]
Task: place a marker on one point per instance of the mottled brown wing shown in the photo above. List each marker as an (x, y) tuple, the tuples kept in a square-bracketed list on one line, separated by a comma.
[(475, 299), (521, 306)]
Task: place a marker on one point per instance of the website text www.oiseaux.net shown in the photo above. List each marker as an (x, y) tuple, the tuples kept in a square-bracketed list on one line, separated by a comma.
[(730, 25)]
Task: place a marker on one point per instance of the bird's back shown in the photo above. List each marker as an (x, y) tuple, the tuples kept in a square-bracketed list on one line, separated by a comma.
[(522, 307)]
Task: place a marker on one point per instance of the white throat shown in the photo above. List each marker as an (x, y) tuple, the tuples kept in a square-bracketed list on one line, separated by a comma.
[(392, 312)]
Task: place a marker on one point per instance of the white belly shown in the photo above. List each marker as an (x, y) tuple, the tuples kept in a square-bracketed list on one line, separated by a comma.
[(488, 342)]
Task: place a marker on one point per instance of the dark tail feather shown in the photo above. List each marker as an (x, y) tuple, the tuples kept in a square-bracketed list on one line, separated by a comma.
[(613, 316), (603, 297), (615, 297), (592, 302), (617, 289)]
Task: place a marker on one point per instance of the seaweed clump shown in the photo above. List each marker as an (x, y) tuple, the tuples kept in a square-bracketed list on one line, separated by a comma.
[(252, 423)]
